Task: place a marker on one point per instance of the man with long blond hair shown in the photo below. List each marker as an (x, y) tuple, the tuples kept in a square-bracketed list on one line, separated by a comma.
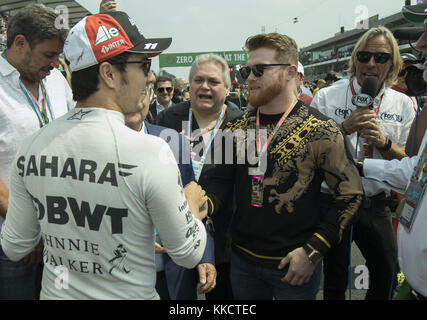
[(378, 132)]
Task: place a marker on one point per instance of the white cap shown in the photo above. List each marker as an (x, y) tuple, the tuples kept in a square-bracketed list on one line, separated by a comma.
[(99, 37), (300, 68)]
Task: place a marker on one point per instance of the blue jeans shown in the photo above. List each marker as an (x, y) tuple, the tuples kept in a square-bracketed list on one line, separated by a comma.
[(252, 281), (17, 280)]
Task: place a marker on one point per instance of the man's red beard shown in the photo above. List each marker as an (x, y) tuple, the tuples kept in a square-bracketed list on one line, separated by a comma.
[(267, 94)]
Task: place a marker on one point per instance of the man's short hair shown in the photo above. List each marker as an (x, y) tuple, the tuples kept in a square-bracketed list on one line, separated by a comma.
[(396, 66), (211, 58), (162, 79), (287, 48), (85, 82), (36, 23)]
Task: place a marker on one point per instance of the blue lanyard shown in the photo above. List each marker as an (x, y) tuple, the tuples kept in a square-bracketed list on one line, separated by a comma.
[(35, 105), (189, 131)]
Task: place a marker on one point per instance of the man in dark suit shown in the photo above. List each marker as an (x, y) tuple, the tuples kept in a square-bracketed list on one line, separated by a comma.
[(163, 88), (175, 282)]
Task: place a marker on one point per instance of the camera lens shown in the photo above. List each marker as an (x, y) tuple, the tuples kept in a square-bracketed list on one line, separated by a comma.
[(415, 81)]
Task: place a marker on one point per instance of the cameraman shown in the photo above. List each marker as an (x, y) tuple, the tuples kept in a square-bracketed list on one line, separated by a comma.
[(107, 6), (180, 87), (408, 59)]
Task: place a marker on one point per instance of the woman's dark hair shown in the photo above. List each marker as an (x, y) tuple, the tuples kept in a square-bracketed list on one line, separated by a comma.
[(85, 82)]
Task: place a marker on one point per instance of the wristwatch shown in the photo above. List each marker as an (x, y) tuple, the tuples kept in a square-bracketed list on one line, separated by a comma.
[(313, 255), (387, 145), (359, 166)]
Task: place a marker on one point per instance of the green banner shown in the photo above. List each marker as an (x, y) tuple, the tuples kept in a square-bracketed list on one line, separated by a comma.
[(168, 60)]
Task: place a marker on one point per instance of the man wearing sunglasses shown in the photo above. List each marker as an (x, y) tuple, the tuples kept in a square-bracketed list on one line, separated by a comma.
[(279, 235), (163, 88), (408, 59), (83, 186), (377, 132)]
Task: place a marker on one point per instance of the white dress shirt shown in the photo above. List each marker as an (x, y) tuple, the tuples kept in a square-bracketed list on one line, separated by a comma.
[(17, 118), (395, 117)]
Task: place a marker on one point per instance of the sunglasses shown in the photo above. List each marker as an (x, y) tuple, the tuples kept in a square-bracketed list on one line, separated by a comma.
[(145, 65), (379, 57), (258, 69), (161, 90)]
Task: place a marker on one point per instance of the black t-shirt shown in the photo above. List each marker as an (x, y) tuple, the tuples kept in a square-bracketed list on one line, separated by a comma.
[(307, 149)]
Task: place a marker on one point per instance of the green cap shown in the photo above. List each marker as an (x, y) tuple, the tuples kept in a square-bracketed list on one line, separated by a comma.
[(416, 13)]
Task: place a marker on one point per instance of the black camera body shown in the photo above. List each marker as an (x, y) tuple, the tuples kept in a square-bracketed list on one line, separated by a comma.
[(414, 78)]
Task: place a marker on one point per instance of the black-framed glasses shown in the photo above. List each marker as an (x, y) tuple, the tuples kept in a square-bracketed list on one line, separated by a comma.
[(145, 65), (379, 57), (258, 69), (161, 90)]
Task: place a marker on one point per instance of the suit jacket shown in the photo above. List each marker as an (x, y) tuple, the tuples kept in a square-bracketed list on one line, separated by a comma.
[(173, 117), (153, 108), (181, 283)]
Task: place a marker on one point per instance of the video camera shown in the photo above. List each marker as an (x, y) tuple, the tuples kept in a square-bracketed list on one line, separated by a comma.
[(414, 78)]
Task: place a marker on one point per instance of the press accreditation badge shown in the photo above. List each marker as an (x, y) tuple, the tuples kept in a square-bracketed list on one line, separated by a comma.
[(197, 166), (411, 202), (257, 192)]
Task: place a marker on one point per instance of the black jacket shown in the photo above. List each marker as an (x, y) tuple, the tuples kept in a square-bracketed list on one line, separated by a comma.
[(307, 149), (153, 108)]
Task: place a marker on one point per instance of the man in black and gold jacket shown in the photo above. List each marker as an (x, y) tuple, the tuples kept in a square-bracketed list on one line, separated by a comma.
[(279, 234)]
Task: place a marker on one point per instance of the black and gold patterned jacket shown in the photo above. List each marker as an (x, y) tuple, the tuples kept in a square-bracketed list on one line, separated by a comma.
[(307, 149)]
